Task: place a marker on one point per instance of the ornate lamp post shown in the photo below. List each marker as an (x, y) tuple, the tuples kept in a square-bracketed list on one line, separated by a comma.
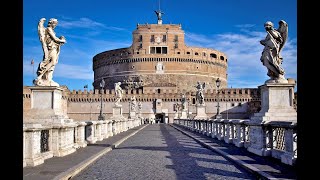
[(218, 116), (101, 116), (188, 108)]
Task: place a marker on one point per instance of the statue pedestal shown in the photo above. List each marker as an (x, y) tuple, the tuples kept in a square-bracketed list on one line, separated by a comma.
[(47, 105), (117, 111), (276, 107), (176, 115), (276, 103), (132, 114), (184, 114), (201, 112), (49, 109), (118, 119)]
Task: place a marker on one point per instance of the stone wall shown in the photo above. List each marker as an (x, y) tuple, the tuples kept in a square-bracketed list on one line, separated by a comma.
[(85, 105), (180, 65)]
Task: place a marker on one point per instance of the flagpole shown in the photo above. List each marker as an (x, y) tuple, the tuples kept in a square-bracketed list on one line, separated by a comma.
[(32, 63)]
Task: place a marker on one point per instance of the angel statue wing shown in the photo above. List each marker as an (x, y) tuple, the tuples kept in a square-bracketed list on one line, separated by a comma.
[(41, 29), (283, 30), (41, 33)]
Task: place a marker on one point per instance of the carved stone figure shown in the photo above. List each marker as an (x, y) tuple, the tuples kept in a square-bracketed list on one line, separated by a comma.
[(273, 45), (139, 106), (51, 50), (159, 66), (199, 95), (176, 107), (133, 103), (159, 14), (119, 92)]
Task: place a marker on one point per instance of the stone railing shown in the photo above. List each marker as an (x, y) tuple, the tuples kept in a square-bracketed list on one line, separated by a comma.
[(279, 139), (42, 141)]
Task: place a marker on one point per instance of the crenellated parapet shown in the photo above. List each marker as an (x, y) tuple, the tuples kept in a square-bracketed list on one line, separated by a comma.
[(167, 95)]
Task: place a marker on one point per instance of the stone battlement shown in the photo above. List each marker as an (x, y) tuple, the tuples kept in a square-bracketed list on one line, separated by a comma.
[(230, 94)]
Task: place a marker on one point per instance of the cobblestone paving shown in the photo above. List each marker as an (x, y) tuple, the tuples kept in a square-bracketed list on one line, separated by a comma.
[(269, 165), (161, 152)]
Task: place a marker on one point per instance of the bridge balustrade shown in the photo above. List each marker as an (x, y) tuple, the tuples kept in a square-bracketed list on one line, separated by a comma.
[(279, 139), (44, 141)]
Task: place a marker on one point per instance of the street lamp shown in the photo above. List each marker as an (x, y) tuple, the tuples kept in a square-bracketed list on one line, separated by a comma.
[(218, 116), (101, 116), (188, 109)]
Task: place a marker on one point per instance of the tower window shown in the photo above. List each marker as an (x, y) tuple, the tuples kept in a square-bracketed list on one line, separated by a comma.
[(164, 50), (152, 38), (188, 52), (196, 54), (164, 38), (175, 38), (204, 54), (158, 50), (152, 50), (140, 38), (221, 57), (213, 55), (158, 91)]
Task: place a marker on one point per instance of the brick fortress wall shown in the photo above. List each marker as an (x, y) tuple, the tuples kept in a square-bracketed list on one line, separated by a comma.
[(85, 105)]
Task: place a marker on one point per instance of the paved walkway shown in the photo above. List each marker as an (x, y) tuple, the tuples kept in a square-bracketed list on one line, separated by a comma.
[(59, 167), (161, 152), (266, 166)]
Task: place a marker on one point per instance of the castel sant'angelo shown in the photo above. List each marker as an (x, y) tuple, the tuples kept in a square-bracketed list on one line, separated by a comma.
[(157, 69)]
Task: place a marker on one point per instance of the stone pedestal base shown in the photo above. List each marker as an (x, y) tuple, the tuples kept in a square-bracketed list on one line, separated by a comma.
[(201, 112), (132, 114), (34, 161), (183, 114), (46, 102), (116, 111), (276, 103), (118, 118), (176, 115)]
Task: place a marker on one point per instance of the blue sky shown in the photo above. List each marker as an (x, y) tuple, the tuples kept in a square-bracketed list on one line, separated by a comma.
[(232, 26)]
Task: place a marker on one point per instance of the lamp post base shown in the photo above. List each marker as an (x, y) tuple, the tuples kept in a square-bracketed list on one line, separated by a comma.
[(101, 117), (218, 116)]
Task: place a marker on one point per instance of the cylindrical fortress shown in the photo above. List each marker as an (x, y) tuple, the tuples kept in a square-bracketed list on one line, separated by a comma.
[(158, 58)]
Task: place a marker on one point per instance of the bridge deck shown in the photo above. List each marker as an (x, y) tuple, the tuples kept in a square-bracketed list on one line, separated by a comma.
[(159, 151)]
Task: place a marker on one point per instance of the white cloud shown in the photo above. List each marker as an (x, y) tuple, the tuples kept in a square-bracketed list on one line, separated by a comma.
[(62, 70), (244, 25), (86, 23), (74, 72), (243, 51)]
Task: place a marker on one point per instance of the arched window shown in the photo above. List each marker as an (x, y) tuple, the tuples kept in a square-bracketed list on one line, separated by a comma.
[(213, 55)]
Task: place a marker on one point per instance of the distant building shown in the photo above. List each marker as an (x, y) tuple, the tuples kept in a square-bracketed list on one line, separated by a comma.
[(157, 69)]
